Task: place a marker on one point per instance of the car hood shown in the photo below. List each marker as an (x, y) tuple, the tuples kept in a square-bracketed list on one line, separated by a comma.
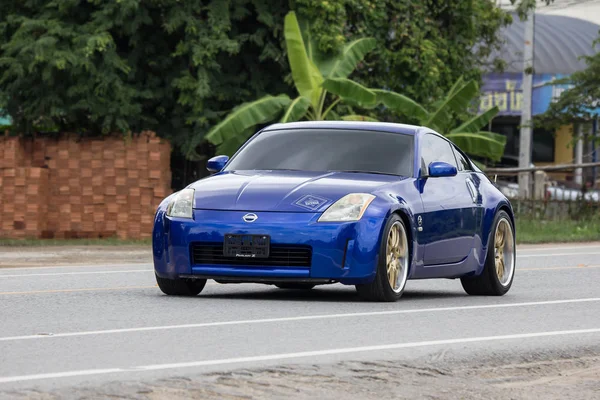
[(285, 191)]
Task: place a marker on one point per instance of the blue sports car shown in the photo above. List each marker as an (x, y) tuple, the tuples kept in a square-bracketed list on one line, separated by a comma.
[(358, 203)]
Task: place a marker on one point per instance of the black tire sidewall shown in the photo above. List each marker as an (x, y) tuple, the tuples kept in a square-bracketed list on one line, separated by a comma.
[(180, 287)]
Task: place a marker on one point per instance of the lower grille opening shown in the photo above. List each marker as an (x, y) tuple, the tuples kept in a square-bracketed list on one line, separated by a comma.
[(280, 255)]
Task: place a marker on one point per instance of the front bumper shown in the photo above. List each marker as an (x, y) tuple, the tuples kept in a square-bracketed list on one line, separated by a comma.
[(342, 252)]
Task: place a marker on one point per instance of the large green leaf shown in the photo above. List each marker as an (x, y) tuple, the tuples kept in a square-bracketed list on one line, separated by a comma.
[(478, 122), (350, 90), (458, 84), (458, 101), (341, 65), (358, 118), (332, 116), (483, 144), (246, 116), (307, 77), (296, 110), (400, 103)]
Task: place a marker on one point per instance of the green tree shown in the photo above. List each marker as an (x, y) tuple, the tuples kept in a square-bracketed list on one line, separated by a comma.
[(581, 101), (314, 75), (445, 115), (422, 47), (94, 66), (179, 66)]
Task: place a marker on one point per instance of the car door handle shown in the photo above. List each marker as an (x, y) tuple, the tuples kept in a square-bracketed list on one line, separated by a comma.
[(472, 190)]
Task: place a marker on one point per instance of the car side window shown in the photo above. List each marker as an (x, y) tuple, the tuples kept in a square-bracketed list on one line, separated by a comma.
[(434, 148), (462, 161)]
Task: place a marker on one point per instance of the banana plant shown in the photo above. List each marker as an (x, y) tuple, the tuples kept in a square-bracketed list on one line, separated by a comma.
[(320, 80), (469, 135)]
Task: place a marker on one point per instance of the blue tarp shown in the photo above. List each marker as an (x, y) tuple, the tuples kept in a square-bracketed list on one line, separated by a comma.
[(3, 120)]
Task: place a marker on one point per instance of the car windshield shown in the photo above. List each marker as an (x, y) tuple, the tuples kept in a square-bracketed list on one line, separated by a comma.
[(328, 150)]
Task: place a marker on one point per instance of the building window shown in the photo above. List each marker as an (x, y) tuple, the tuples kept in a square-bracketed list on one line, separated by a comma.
[(543, 146)]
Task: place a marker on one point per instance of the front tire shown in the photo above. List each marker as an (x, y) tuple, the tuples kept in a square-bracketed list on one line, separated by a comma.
[(180, 287), (499, 269), (392, 267)]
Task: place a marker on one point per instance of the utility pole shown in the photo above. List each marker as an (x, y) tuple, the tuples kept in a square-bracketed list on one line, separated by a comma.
[(595, 151), (579, 154), (526, 123)]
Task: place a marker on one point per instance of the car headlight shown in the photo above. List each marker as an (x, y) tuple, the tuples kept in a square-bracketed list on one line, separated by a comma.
[(349, 208), (182, 204)]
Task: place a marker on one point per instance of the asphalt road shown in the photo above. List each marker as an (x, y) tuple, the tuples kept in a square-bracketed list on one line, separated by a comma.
[(67, 327)]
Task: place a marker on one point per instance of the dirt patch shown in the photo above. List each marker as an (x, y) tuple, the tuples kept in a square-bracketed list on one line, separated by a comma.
[(575, 378), (73, 255)]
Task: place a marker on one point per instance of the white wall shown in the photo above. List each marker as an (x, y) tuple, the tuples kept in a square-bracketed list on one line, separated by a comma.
[(588, 10)]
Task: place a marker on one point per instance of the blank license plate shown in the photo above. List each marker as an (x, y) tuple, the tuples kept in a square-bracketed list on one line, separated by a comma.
[(246, 246)]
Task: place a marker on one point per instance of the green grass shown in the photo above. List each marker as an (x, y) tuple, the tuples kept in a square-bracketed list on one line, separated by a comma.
[(538, 231), (528, 231), (74, 242)]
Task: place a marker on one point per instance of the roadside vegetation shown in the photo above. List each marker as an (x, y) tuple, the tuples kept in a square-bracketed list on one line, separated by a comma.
[(530, 230), (325, 92), (179, 67), (193, 71)]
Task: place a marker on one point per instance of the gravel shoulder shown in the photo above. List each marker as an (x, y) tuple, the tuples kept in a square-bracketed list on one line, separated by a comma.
[(43, 256), (572, 378)]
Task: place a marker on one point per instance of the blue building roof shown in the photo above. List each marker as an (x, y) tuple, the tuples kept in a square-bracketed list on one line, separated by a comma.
[(559, 42)]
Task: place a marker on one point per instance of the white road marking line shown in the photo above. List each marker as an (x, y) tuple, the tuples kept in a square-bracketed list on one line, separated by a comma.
[(292, 319), (582, 267), (77, 273), (287, 356), (75, 290), (557, 254), (86, 266), (554, 246)]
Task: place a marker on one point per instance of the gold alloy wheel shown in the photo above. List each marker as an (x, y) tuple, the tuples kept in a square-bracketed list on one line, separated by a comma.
[(397, 257), (504, 251)]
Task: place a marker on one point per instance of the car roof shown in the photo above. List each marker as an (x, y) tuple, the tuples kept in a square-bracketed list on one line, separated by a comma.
[(360, 125)]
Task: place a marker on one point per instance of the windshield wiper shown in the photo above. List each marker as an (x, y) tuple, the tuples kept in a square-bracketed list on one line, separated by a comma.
[(366, 172)]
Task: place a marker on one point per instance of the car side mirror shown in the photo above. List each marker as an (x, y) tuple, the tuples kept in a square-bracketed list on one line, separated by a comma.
[(438, 169), (216, 164)]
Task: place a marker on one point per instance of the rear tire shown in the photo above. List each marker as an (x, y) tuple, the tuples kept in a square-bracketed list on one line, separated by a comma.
[(500, 261), (180, 287), (295, 286), (392, 267)]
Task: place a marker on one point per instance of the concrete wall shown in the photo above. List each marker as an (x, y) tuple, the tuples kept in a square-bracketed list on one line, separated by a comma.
[(563, 151), (70, 187)]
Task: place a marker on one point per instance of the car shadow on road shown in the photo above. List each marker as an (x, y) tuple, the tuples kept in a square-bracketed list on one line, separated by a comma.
[(322, 294)]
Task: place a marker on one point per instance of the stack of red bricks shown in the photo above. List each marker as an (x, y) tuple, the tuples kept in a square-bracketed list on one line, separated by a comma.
[(23, 209), (83, 188)]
